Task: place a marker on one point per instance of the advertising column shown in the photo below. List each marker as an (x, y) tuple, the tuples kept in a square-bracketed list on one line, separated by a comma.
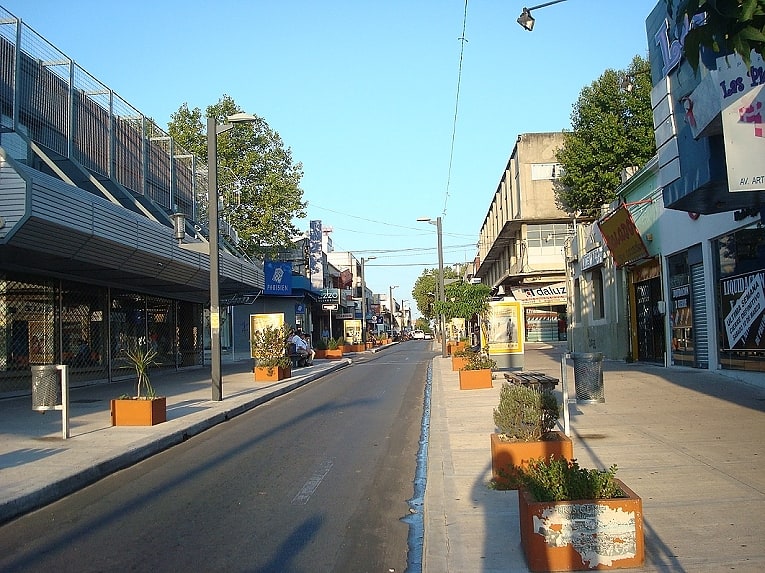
[(502, 333)]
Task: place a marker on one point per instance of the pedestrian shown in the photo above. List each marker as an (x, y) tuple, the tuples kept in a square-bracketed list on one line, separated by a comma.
[(309, 348)]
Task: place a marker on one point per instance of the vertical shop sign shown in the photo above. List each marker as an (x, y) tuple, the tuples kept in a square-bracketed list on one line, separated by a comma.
[(314, 255)]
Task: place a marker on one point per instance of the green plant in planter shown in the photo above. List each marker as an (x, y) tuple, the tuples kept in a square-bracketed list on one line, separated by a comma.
[(141, 359), (466, 352), (479, 361), (564, 480), (334, 343), (321, 344), (268, 348), (525, 414)]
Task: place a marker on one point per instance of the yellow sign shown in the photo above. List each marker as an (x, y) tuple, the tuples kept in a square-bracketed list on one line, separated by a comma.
[(261, 321), (352, 331), (501, 330)]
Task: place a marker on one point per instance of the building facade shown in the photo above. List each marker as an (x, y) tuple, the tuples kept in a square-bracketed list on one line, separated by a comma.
[(90, 261), (524, 233)]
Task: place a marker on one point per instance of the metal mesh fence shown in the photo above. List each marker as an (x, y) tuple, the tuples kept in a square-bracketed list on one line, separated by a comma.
[(89, 329)]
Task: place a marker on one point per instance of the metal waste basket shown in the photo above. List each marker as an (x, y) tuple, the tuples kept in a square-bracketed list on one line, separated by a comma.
[(588, 377), (46, 388)]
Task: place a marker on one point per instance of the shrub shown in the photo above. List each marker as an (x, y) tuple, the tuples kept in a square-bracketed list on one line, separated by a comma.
[(564, 480), (321, 344), (478, 361), (334, 343), (466, 352), (525, 414), (268, 347)]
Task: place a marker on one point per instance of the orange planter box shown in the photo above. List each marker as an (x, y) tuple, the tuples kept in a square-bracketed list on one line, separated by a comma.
[(277, 373), (353, 348), (582, 535), (132, 412), (475, 379), (505, 455), (458, 362)]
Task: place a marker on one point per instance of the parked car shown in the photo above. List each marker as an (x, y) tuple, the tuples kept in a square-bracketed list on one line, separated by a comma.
[(418, 335), (428, 336)]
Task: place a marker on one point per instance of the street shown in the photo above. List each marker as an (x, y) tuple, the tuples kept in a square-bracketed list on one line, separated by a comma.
[(316, 480)]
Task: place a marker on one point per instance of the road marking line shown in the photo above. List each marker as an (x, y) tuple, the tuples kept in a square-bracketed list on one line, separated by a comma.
[(313, 482)]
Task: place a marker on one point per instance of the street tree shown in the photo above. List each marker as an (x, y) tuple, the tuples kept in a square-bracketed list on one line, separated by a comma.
[(425, 290), (728, 26), (257, 178), (464, 300), (612, 129)]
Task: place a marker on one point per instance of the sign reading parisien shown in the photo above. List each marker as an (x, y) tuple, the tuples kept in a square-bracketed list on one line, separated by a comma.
[(278, 277)]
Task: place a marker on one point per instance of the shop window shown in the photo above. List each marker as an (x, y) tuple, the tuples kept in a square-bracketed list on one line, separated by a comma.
[(598, 301), (577, 302)]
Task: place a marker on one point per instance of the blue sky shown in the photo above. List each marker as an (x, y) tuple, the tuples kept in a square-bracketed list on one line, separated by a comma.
[(365, 95)]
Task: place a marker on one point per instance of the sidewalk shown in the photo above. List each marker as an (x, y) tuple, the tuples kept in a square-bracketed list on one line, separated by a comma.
[(691, 443), (37, 466)]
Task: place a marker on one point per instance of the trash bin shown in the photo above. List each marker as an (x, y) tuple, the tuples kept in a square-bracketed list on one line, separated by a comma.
[(46, 387), (588, 377)]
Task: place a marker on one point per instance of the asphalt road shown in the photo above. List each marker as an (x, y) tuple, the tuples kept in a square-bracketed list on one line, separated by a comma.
[(317, 480)]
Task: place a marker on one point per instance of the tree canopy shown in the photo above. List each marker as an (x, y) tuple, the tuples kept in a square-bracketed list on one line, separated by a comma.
[(729, 26), (425, 290), (463, 300), (257, 178), (612, 129)]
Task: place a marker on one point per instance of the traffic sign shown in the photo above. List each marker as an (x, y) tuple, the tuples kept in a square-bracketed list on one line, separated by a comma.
[(329, 306)]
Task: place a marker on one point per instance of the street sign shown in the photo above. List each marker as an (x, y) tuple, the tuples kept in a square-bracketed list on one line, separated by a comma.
[(329, 306)]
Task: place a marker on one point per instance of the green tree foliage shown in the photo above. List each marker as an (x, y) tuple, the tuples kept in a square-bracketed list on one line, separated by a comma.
[(612, 128), (463, 300), (257, 178), (730, 25), (425, 291)]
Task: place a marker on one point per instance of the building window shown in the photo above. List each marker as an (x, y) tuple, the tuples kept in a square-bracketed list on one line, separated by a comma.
[(544, 171), (577, 302), (598, 303)]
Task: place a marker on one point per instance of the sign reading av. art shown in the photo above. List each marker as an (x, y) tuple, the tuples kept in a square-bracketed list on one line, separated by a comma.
[(541, 294), (743, 119), (622, 237)]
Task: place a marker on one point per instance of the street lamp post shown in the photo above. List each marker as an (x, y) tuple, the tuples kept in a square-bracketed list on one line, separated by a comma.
[(526, 20), (213, 130), (392, 307), (364, 301), (441, 295)]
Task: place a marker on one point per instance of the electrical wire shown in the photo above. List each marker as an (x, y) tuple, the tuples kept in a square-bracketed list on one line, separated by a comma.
[(463, 40)]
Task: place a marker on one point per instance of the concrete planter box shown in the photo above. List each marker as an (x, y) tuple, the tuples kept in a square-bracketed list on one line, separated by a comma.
[(582, 535)]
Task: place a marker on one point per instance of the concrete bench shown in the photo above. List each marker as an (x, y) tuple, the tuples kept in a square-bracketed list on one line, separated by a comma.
[(532, 379)]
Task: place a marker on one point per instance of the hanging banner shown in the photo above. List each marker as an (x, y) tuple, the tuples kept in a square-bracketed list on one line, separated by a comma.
[(743, 117), (622, 237), (501, 329)]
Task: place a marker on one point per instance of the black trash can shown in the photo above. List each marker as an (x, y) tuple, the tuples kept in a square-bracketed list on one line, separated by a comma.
[(588, 377), (46, 388)]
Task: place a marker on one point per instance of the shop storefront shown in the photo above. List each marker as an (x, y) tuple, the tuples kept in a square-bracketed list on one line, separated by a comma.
[(741, 299)]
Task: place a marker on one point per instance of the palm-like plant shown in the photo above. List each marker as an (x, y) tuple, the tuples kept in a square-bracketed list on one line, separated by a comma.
[(142, 358)]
